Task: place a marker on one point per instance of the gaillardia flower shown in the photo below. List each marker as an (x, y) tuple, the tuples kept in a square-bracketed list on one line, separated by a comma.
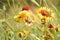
[(28, 20), (21, 15), (22, 33), (45, 14), (43, 20), (44, 11), (48, 36), (51, 27)]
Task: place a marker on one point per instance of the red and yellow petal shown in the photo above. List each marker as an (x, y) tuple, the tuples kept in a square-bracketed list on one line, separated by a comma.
[(17, 18)]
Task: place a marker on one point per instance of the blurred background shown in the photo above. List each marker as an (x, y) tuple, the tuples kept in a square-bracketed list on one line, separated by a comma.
[(9, 8)]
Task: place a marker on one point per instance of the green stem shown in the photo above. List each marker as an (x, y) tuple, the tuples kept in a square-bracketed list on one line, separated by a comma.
[(8, 2), (13, 3), (9, 26)]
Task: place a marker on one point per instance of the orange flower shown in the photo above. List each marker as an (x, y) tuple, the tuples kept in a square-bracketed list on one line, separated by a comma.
[(17, 18), (19, 34), (25, 32), (43, 20), (51, 27), (22, 33), (43, 11), (21, 15), (48, 36), (28, 20)]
